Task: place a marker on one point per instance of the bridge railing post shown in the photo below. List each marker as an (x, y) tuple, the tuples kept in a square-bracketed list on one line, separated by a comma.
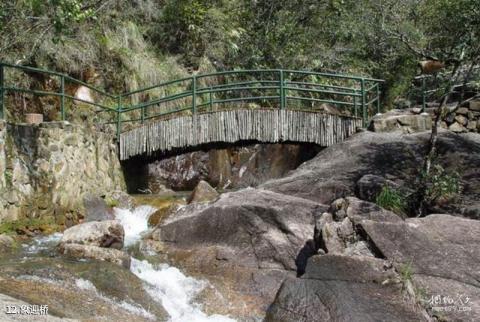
[(355, 103), (62, 98), (119, 120), (2, 91), (210, 99), (194, 95), (282, 90), (378, 97), (424, 94), (364, 107)]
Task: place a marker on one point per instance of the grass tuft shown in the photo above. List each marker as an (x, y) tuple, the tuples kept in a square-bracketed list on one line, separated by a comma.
[(393, 200)]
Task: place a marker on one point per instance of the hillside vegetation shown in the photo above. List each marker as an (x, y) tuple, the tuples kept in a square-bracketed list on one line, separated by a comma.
[(123, 45)]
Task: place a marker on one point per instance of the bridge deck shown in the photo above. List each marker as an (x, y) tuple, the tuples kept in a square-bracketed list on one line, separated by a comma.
[(272, 126)]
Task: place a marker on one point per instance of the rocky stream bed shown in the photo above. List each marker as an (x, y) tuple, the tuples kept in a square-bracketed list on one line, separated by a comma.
[(91, 290), (312, 245)]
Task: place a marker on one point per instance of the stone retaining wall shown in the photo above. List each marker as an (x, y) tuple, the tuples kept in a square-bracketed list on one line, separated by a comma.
[(47, 169), (464, 119)]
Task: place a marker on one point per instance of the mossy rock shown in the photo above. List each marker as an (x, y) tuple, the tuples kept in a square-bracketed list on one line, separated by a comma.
[(161, 214), (30, 226)]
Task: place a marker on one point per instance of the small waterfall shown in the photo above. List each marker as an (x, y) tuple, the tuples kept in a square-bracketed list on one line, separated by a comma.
[(134, 222), (166, 284)]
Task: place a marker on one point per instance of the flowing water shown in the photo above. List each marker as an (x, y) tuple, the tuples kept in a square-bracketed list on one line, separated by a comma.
[(166, 284)]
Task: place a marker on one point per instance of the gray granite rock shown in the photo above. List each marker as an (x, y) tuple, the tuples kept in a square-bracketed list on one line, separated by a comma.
[(342, 288), (107, 233)]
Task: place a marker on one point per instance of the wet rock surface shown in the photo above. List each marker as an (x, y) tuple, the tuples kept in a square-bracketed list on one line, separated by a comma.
[(7, 243), (120, 199), (83, 291), (112, 255)]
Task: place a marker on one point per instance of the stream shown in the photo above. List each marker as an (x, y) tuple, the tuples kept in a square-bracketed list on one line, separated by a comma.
[(176, 292)]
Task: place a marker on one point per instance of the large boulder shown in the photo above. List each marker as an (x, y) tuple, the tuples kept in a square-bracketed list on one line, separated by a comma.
[(119, 199), (441, 252), (379, 267), (358, 210), (264, 229), (343, 288), (401, 120), (79, 290), (339, 234), (397, 157), (7, 243), (108, 233), (112, 255), (96, 209), (369, 186), (246, 242), (203, 192)]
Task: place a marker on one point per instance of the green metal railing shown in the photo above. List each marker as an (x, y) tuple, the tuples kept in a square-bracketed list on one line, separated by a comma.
[(432, 87), (282, 89), (61, 93)]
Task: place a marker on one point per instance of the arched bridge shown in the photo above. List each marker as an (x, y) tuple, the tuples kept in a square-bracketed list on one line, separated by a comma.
[(260, 105), (225, 107), (230, 126)]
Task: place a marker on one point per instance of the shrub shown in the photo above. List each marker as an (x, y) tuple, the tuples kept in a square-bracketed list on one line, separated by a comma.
[(441, 185)]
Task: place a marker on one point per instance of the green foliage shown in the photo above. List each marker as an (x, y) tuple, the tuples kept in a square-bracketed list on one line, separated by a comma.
[(441, 185), (137, 43), (456, 28), (128, 52), (63, 15), (406, 272), (198, 28), (392, 200)]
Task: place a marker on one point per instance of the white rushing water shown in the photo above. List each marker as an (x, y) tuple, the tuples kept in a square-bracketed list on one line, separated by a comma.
[(133, 308), (134, 222), (164, 283), (42, 243)]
